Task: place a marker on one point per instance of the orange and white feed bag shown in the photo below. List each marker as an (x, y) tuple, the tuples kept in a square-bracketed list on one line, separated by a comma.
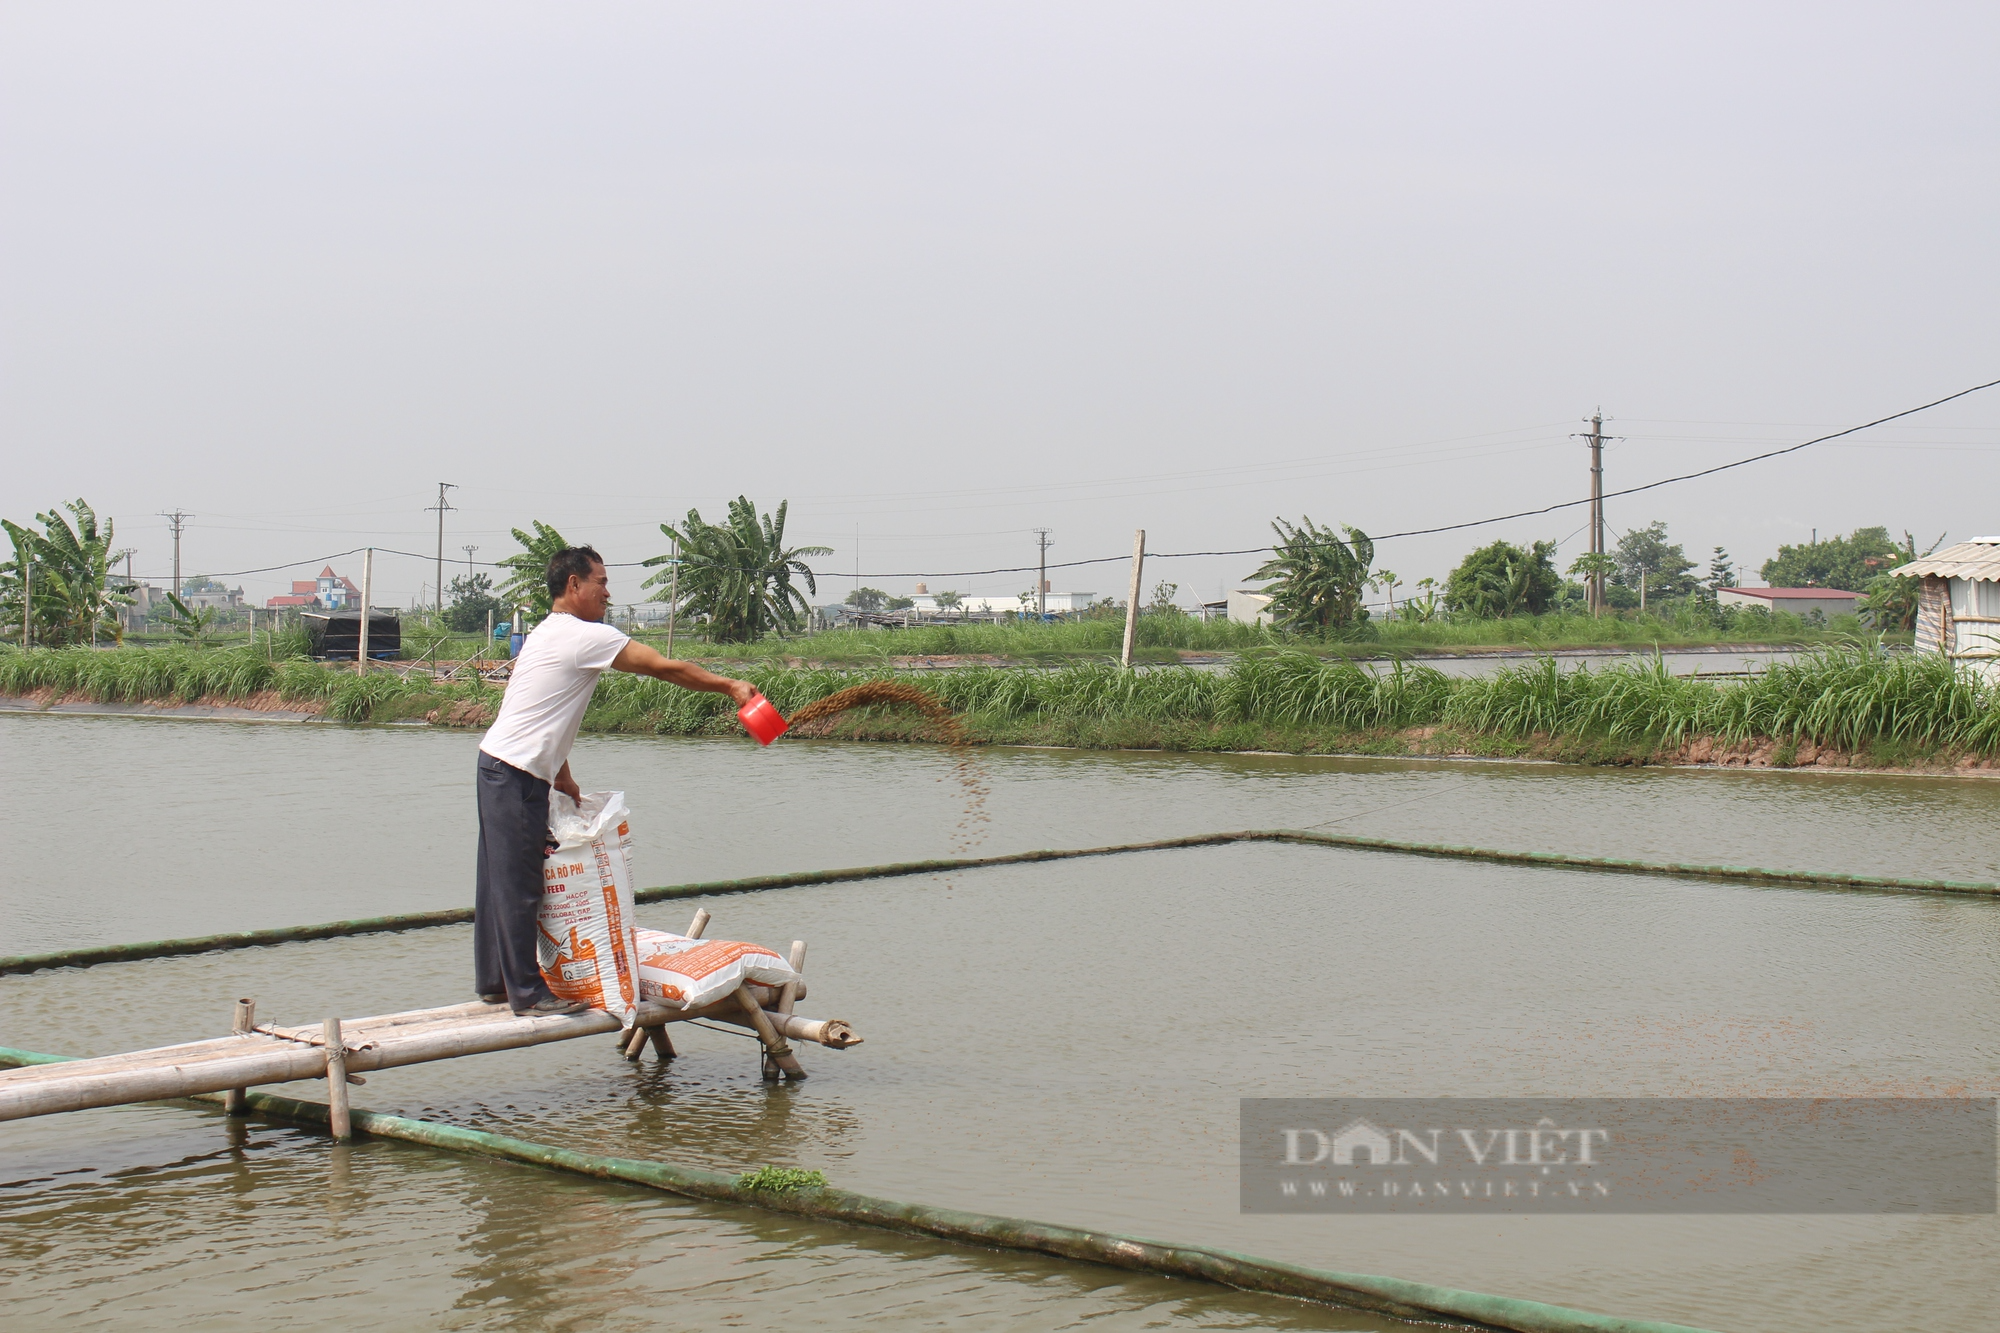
[(676, 970), (584, 929)]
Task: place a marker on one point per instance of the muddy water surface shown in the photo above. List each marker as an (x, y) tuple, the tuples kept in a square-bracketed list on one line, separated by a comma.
[(1065, 1042)]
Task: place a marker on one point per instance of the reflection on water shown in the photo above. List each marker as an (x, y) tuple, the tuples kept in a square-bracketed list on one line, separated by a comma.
[(1065, 1042)]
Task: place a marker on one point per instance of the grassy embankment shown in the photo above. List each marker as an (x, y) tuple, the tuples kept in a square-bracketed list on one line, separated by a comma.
[(1845, 707), (1161, 639)]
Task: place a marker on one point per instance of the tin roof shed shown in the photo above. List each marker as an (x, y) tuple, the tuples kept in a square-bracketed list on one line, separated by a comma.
[(1976, 559), (1958, 602)]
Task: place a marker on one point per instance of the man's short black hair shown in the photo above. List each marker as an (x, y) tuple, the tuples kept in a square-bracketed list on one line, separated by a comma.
[(576, 560)]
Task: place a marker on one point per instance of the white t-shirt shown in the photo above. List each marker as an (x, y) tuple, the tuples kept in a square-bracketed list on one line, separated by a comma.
[(548, 691)]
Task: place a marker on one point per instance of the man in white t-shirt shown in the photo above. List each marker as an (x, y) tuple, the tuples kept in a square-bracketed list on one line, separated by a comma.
[(527, 752)]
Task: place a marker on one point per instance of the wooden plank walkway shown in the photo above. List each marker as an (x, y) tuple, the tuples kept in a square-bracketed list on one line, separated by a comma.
[(272, 1054)]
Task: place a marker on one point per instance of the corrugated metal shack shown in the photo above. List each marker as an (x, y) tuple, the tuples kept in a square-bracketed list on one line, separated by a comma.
[(1958, 605)]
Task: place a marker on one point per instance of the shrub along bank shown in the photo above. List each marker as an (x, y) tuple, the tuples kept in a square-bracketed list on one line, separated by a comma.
[(1848, 705)]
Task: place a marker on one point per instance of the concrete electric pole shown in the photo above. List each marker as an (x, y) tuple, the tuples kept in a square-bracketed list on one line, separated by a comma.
[(1042, 576), (177, 521), (442, 508), (1132, 599), (1595, 592)]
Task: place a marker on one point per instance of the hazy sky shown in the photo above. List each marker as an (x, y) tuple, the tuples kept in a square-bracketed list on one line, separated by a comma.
[(944, 273)]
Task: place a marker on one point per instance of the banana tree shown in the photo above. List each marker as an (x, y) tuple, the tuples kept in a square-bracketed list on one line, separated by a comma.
[(1320, 578), (65, 572), (192, 625), (528, 582), (737, 575)]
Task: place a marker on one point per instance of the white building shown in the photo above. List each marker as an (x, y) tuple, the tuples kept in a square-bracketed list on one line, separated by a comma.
[(1249, 607), (1055, 603), (1829, 602)]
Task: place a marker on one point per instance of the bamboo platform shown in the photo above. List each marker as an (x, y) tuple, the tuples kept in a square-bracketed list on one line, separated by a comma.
[(340, 1049)]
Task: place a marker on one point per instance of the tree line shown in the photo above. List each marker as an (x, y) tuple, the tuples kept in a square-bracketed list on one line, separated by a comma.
[(740, 580), (1319, 578)]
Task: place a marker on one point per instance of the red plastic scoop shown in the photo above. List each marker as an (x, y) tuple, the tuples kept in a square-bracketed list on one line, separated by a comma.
[(761, 719)]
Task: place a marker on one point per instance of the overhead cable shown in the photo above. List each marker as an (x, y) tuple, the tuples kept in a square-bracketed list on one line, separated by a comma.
[(1248, 550)]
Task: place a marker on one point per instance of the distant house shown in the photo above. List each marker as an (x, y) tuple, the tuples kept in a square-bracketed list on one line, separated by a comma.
[(207, 592), (1247, 607), (330, 592), (972, 604), (1829, 602), (1958, 601)]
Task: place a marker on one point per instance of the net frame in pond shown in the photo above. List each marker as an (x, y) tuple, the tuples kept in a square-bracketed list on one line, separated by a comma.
[(93, 955)]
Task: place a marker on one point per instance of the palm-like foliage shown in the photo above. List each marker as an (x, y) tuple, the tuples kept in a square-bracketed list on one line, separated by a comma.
[(737, 575), (192, 625), (1320, 578), (73, 591), (528, 584)]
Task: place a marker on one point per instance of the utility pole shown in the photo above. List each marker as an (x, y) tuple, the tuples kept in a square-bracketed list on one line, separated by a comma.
[(1132, 601), (176, 520), (442, 508), (1042, 575), (674, 588), (367, 591), (468, 567), (1595, 589)]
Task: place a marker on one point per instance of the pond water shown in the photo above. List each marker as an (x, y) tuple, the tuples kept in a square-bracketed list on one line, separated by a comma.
[(1066, 1042)]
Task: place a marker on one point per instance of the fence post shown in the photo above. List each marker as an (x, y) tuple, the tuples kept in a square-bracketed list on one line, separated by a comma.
[(367, 590), (1132, 602)]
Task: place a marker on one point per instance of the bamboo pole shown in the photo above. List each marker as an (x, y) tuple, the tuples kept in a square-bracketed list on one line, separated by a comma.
[(776, 1052), (246, 1022), (790, 994), (699, 924), (832, 1033), (282, 1056), (221, 1063), (336, 1083), (663, 1045)]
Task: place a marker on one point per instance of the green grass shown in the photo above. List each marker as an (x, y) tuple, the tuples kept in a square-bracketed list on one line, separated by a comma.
[(134, 675), (1850, 697), (1855, 698), (1161, 638), (780, 1180)]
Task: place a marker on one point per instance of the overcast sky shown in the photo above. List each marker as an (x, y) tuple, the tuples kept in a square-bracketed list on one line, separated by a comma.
[(942, 274)]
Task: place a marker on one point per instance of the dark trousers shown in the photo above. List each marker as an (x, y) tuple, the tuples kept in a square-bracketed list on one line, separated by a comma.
[(513, 832)]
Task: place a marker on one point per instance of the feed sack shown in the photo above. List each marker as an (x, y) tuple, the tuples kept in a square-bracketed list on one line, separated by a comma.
[(584, 930), (688, 973)]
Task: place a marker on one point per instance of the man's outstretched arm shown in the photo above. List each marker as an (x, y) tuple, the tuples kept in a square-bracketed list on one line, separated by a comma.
[(640, 660)]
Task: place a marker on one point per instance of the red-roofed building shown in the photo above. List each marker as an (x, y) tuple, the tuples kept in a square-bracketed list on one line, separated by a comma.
[(334, 592)]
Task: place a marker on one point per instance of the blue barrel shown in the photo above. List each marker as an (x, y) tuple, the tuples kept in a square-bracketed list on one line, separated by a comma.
[(514, 644)]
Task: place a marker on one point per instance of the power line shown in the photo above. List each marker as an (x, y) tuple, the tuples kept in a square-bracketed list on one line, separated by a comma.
[(1500, 518), (1259, 550)]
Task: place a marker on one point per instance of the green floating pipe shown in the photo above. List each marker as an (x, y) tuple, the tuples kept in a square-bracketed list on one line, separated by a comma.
[(1418, 1301), (251, 939)]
